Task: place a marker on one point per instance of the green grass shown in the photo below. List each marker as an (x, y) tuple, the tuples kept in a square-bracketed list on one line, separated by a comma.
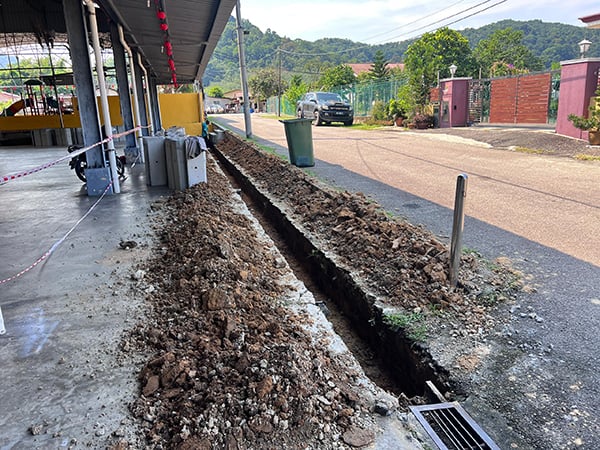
[(413, 324), (439, 311), (266, 148), (364, 126), (470, 251), (489, 297), (586, 157), (275, 116), (389, 214)]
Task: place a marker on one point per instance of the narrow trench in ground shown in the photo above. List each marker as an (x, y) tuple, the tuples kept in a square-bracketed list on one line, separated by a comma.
[(372, 364)]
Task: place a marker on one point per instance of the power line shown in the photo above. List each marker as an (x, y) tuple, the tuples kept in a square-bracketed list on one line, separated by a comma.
[(454, 15), (409, 32), (411, 23)]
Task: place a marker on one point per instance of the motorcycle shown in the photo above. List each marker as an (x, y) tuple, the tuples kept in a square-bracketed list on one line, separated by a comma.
[(79, 163)]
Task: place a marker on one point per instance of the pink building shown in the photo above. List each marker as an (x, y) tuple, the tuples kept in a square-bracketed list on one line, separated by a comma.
[(578, 84), (454, 102)]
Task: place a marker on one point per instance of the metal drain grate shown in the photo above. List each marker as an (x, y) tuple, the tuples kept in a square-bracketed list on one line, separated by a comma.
[(451, 428)]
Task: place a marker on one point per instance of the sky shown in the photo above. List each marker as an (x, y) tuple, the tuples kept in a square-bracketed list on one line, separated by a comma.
[(379, 21)]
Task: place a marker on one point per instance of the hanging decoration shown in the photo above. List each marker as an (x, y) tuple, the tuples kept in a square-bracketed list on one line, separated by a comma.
[(161, 15)]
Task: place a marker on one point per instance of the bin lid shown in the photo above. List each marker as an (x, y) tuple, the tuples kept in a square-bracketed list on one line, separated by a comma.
[(294, 120)]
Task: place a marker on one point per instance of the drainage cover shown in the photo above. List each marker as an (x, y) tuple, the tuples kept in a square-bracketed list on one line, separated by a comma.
[(451, 428)]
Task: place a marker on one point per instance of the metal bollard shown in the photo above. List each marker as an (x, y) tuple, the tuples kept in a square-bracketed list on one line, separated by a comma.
[(2, 329), (457, 227)]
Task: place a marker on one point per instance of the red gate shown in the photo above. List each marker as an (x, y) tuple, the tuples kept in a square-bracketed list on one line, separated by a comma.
[(522, 99)]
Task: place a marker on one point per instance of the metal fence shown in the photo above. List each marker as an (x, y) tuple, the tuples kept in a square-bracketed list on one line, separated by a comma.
[(287, 108), (364, 95), (361, 96)]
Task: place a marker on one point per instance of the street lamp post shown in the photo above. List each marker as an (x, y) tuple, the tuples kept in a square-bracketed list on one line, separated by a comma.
[(584, 46), (452, 70)]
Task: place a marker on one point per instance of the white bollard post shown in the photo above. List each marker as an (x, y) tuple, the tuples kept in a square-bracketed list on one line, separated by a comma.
[(2, 329), (457, 227)]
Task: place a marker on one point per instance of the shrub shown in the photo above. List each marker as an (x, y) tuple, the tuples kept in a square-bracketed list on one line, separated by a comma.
[(379, 111), (423, 121)]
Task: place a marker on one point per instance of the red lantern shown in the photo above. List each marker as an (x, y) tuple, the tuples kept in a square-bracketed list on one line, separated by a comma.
[(161, 15), (164, 26), (172, 65), (168, 48)]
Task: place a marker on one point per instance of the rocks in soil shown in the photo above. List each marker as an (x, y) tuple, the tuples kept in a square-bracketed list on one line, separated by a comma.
[(232, 367)]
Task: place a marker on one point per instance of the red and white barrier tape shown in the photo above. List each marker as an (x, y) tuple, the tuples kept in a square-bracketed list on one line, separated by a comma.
[(11, 177), (60, 241), (74, 154)]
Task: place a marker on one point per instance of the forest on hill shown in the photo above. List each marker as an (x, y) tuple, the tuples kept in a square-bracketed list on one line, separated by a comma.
[(551, 42)]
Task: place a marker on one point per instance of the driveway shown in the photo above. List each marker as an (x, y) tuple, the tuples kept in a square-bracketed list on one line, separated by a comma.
[(541, 212)]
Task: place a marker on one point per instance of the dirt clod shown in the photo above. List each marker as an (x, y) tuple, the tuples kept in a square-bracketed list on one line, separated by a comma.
[(234, 367)]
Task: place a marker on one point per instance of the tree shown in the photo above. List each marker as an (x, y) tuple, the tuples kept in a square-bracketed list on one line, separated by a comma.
[(434, 53), (296, 90), (341, 75), (215, 91), (265, 84), (379, 69), (504, 50), (397, 73), (30, 68)]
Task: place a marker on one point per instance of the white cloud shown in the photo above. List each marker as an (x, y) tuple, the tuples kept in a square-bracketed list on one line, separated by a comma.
[(375, 21)]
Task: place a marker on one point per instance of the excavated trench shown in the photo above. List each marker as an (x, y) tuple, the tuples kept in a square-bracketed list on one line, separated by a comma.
[(388, 356)]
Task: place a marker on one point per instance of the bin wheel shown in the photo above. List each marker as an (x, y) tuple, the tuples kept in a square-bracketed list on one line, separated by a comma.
[(348, 123)]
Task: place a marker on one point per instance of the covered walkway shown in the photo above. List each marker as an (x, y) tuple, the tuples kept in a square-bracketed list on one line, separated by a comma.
[(62, 379)]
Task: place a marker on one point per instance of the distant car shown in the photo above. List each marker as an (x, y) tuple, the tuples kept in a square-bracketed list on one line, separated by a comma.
[(325, 107), (215, 109)]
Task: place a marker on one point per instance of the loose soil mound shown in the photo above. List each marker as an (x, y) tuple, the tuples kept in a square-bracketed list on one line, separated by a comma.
[(405, 265), (235, 368)]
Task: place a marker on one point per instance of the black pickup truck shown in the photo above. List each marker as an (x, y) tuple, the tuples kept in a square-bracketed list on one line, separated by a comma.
[(325, 107)]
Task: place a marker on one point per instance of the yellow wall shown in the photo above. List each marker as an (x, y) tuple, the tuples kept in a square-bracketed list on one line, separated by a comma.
[(182, 110), (114, 107), (19, 123)]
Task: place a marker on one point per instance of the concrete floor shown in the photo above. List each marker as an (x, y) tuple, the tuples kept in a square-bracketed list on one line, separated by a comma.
[(63, 384)]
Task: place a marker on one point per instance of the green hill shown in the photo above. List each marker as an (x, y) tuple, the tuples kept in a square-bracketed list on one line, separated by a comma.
[(552, 42)]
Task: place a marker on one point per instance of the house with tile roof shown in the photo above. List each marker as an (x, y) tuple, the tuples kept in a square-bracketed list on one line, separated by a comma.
[(359, 68)]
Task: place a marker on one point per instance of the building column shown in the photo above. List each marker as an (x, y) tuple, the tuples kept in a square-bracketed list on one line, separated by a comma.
[(578, 82), (139, 85), (155, 106), (84, 80), (131, 150), (454, 107)]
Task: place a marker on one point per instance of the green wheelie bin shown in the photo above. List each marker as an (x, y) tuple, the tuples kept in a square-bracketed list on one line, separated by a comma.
[(298, 133)]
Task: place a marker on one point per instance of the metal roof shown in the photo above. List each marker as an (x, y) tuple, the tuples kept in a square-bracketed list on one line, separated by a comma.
[(194, 28)]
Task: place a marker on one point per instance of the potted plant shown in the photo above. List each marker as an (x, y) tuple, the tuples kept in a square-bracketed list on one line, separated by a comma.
[(423, 121), (396, 112), (400, 108), (591, 123)]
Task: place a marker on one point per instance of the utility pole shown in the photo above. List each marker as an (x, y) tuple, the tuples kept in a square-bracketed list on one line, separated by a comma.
[(279, 85), (244, 76)]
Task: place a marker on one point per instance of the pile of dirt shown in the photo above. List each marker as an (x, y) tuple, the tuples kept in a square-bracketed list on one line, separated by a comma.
[(233, 367), (404, 265)]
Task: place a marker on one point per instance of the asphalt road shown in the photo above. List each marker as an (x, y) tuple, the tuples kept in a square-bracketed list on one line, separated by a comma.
[(541, 212), (552, 201)]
